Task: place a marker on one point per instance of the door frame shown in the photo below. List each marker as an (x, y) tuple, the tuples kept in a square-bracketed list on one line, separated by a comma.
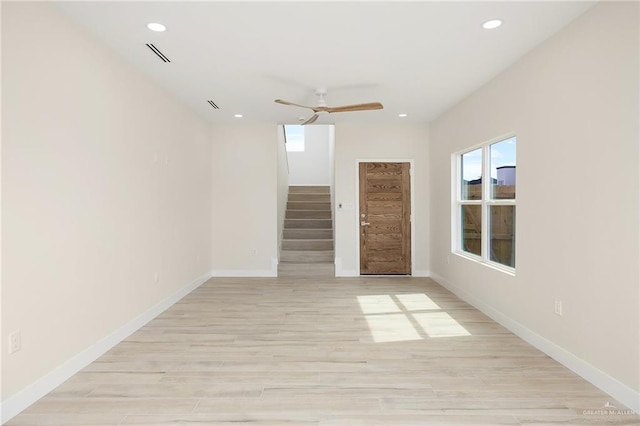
[(356, 215)]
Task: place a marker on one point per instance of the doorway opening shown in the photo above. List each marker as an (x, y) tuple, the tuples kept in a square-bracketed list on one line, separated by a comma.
[(306, 197)]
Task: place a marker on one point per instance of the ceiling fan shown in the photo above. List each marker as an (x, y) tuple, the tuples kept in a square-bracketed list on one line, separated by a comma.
[(323, 108)]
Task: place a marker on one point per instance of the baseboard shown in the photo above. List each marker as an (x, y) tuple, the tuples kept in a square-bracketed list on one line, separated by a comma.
[(421, 273), (347, 273), (18, 402), (597, 377), (339, 272)]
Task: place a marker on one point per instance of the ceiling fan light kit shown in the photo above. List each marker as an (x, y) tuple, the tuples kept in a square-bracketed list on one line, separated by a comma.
[(323, 108)]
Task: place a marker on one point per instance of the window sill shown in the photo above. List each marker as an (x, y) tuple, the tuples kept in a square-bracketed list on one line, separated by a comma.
[(493, 265)]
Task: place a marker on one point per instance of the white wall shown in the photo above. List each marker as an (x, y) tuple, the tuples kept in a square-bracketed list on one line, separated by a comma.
[(384, 142), (105, 182), (573, 104), (313, 166), (283, 183), (245, 199), (1, 161)]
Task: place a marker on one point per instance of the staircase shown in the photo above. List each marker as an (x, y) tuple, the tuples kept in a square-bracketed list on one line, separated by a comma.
[(307, 241)]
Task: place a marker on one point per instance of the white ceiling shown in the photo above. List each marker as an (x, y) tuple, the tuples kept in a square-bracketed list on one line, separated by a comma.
[(419, 58)]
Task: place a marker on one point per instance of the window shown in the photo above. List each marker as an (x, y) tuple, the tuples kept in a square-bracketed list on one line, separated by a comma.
[(294, 137), (485, 217)]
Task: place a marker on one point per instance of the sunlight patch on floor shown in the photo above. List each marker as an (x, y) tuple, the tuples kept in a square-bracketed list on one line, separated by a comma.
[(391, 328), (378, 304), (440, 324), (405, 317), (417, 302)]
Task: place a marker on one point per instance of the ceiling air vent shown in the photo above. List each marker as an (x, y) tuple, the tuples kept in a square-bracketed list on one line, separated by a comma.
[(213, 105), (158, 52)]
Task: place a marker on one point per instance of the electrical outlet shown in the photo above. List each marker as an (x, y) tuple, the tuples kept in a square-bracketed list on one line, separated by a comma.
[(15, 342), (254, 252), (156, 277), (558, 307)]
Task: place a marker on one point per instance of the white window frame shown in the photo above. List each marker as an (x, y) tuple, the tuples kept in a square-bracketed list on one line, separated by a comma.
[(486, 202), (294, 146)]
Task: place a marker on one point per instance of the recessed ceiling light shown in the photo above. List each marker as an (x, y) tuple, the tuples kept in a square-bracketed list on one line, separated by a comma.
[(237, 115), (402, 115), (154, 26), (492, 24)]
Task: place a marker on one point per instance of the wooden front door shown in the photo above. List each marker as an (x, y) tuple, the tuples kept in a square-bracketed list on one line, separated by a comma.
[(385, 218)]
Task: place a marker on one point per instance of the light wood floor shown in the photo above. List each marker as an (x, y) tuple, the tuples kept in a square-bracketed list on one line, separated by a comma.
[(355, 351)]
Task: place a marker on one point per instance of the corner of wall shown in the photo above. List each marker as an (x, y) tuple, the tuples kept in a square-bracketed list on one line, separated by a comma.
[(20, 401), (589, 372), (339, 272)]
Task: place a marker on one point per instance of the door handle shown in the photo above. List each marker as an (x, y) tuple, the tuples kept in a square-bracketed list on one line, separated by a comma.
[(364, 223)]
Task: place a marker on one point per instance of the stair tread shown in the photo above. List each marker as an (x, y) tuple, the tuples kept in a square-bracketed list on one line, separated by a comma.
[(313, 252), (303, 239), (307, 211), (307, 239), (309, 229), (297, 189), (315, 230), (299, 221)]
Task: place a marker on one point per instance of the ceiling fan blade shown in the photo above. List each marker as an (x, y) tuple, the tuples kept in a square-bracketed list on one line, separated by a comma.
[(313, 119), (356, 107), (280, 101)]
